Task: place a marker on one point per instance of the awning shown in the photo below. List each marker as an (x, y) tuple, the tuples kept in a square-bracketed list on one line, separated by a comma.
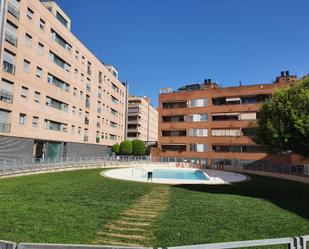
[(225, 114)]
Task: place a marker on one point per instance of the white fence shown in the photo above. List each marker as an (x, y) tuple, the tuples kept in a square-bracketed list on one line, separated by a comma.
[(291, 243)]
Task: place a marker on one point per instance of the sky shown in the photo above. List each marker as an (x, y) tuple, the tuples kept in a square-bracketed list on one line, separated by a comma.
[(171, 43)]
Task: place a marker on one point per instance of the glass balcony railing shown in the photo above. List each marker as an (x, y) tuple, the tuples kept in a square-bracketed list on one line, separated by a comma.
[(11, 38), (5, 128), (8, 67), (13, 10)]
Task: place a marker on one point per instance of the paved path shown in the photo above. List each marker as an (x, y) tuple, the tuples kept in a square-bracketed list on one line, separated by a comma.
[(135, 227)]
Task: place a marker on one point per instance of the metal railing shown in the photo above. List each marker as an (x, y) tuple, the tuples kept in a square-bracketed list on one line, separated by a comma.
[(19, 166), (291, 243)]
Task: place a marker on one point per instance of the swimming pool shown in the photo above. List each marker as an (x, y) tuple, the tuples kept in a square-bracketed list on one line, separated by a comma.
[(177, 174)]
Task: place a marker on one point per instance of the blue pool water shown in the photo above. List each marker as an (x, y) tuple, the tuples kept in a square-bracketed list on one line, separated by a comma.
[(178, 174)]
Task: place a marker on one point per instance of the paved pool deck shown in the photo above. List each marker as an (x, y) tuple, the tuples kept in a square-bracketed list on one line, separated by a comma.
[(216, 177)]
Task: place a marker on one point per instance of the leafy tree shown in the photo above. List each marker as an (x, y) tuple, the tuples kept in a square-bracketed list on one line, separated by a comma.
[(139, 147), (116, 148), (126, 147), (284, 120)]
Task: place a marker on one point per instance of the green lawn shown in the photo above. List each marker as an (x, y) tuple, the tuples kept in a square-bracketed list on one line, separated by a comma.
[(70, 207)]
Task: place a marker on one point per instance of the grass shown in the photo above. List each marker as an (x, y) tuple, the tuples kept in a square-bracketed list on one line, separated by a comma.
[(70, 207)]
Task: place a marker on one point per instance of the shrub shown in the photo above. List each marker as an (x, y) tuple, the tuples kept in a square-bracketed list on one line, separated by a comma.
[(126, 147), (116, 148), (139, 148)]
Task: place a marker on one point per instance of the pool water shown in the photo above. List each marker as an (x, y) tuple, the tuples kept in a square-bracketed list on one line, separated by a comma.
[(178, 174)]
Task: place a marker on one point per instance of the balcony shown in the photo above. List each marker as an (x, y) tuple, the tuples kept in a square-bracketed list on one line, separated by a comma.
[(6, 96), (11, 38), (8, 67), (13, 10), (5, 128)]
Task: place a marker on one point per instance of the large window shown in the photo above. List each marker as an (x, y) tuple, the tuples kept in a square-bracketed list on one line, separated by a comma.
[(56, 104), (57, 82), (62, 19), (55, 126), (226, 132), (199, 147), (13, 8), (59, 61), (8, 62), (198, 102), (198, 117), (61, 41), (11, 33), (198, 132), (6, 91), (4, 120)]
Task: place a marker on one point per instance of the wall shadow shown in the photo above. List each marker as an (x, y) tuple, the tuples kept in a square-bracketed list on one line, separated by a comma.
[(288, 195)]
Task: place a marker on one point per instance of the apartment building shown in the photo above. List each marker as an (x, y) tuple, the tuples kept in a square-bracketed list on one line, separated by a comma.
[(56, 98), (211, 124), (142, 120)]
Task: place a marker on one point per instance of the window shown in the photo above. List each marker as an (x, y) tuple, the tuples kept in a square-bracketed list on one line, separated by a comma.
[(85, 135), (247, 116), (73, 129), (56, 104), (40, 48), (28, 40), (59, 61), (26, 66), (89, 68), (198, 117), (29, 14), (81, 94), (74, 91), (38, 72), (6, 91), (37, 97), (35, 122), (74, 110), (226, 132), (199, 147), (58, 82), (13, 8), (198, 132), (4, 121), (62, 19), (55, 126), (87, 101), (61, 41), (198, 102), (42, 24), (22, 119), (11, 33), (8, 62), (24, 92)]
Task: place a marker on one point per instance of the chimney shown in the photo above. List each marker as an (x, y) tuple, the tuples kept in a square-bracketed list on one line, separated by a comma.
[(287, 73), (282, 73)]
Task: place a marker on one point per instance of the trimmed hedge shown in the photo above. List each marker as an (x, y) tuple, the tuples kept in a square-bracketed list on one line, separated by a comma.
[(116, 148), (126, 147), (139, 148)]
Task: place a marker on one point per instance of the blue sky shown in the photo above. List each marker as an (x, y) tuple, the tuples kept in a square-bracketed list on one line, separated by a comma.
[(170, 43)]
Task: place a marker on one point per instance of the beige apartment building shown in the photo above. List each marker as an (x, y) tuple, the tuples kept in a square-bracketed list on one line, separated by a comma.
[(56, 98), (142, 120)]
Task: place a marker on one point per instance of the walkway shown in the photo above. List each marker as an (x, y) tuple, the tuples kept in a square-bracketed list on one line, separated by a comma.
[(135, 227)]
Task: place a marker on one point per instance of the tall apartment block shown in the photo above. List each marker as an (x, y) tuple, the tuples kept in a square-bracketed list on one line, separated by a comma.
[(211, 124), (56, 98), (142, 120)]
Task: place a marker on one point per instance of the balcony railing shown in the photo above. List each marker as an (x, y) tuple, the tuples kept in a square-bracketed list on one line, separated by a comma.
[(6, 96), (5, 128), (11, 38), (13, 10), (8, 67)]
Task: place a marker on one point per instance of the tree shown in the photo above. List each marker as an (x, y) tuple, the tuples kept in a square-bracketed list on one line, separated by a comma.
[(126, 147), (284, 120), (139, 148), (116, 148)]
